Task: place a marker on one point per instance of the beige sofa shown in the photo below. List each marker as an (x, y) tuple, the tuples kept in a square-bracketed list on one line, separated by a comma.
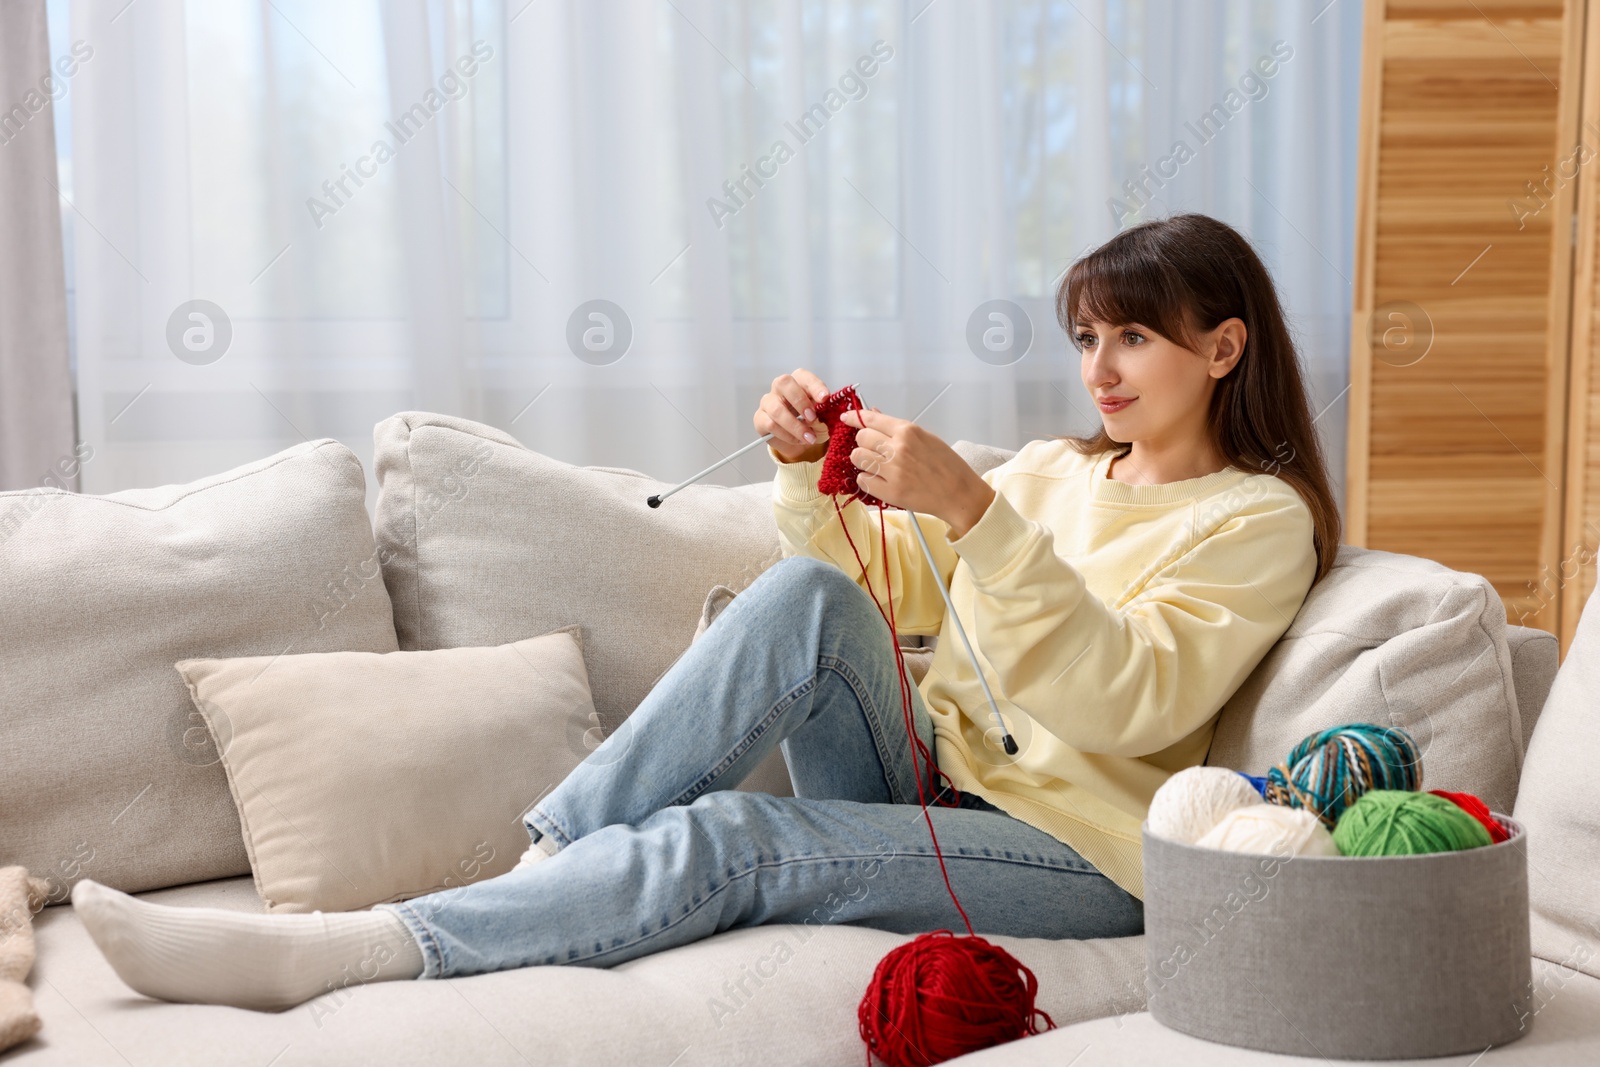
[(480, 541)]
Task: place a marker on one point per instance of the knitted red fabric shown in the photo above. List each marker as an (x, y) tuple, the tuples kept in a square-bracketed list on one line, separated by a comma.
[(838, 473)]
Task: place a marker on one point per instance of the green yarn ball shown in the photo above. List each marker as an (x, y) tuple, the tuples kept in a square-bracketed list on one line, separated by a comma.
[(1395, 822)]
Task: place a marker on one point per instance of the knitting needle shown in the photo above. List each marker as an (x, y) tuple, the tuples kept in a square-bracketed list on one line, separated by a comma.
[(1009, 742), (655, 501)]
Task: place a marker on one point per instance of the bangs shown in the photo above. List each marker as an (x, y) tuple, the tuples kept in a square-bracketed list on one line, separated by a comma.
[(1122, 282)]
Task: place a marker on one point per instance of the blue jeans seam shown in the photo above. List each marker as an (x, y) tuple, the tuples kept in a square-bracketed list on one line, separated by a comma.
[(761, 726), (863, 697), (548, 826), (431, 942), (693, 910), (874, 719), (710, 777)]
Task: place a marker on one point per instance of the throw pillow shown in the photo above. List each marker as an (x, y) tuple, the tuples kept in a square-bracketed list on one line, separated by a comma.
[(108, 770), (362, 779), (1559, 804), (1395, 640)]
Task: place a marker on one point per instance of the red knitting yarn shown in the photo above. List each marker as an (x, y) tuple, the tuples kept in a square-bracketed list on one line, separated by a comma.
[(942, 996), (838, 473), (1478, 810), (938, 996)]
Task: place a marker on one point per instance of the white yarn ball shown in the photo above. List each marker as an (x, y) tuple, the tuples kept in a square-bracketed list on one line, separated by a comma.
[(1271, 828), (1195, 799)]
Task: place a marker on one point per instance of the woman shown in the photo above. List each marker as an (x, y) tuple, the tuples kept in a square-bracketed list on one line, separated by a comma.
[(1118, 588)]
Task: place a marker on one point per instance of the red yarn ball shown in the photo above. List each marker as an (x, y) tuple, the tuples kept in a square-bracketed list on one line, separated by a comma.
[(838, 473), (940, 996), (1478, 810)]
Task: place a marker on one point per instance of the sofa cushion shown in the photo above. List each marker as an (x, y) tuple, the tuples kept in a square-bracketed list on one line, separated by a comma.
[(109, 771), (486, 542), (1535, 658), (980, 457), (1560, 806), (362, 779), (1399, 641), (774, 995)]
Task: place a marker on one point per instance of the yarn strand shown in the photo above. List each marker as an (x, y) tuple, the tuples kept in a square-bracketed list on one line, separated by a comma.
[(907, 709), (940, 995)]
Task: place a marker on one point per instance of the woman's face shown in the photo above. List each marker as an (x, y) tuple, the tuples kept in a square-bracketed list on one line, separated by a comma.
[(1149, 388)]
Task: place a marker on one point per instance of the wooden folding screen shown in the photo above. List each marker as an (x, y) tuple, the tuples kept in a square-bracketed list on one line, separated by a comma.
[(1581, 528), (1471, 163)]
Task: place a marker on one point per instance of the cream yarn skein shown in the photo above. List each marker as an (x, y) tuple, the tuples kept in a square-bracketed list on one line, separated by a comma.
[(1272, 829), (1195, 799)]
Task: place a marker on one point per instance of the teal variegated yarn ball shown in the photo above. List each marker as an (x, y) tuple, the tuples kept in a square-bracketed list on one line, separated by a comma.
[(1388, 822), (1330, 770)]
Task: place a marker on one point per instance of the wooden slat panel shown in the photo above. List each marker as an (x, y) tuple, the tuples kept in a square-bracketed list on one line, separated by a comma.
[(1477, 38), (1458, 456), (1459, 423), (1498, 10), (1466, 516), (1573, 575)]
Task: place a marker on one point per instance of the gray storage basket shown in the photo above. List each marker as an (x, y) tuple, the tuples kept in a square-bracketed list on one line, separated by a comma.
[(1340, 957)]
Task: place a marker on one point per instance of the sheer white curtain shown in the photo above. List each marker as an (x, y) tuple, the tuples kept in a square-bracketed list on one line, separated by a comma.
[(415, 204), (36, 418)]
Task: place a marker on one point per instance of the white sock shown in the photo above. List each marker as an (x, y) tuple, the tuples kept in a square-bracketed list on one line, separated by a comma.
[(535, 853), (263, 962)]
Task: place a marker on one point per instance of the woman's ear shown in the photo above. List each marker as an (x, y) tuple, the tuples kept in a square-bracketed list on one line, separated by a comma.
[(1227, 345)]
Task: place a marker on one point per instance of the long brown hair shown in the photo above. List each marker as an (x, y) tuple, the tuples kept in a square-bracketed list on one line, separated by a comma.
[(1186, 274)]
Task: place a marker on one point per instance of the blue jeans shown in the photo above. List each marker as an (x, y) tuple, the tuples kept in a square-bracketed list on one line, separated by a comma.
[(652, 848)]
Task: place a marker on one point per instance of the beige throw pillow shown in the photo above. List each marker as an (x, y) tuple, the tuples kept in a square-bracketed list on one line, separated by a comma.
[(363, 779), (1399, 641), (1559, 804), (107, 772)]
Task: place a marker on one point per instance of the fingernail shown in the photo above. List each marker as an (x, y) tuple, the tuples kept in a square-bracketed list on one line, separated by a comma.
[(810, 437), (809, 415)]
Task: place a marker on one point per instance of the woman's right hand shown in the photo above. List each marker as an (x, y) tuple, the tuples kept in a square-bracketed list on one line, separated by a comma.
[(789, 414)]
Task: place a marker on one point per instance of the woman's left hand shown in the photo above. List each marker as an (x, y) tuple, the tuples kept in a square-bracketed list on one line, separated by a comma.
[(904, 465)]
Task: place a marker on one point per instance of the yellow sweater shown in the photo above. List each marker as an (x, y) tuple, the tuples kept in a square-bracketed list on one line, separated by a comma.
[(1113, 622)]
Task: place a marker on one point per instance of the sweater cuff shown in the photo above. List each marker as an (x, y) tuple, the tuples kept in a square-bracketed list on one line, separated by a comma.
[(995, 541), (795, 483)]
